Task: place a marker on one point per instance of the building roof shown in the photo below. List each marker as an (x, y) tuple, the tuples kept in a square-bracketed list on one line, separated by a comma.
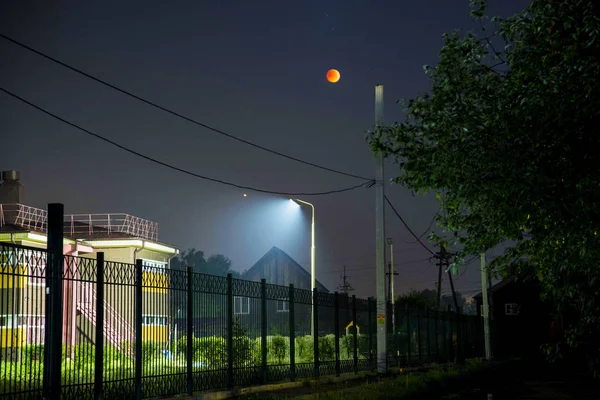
[(101, 230), (276, 252), (498, 286)]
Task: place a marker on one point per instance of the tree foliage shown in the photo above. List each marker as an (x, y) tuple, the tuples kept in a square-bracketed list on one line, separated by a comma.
[(216, 264), (426, 299), (508, 135)]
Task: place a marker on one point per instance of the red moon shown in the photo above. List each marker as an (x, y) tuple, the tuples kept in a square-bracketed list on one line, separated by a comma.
[(333, 75)]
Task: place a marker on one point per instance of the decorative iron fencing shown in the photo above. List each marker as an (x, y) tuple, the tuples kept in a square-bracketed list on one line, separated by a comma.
[(132, 331)]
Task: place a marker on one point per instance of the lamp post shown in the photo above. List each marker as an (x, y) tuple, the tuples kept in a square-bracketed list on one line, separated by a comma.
[(391, 243), (313, 280)]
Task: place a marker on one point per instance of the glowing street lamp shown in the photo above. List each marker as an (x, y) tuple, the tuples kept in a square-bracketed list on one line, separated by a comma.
[(313, 280)]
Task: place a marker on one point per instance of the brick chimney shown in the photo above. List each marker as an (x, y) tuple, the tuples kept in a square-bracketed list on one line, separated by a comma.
[(11, 192)]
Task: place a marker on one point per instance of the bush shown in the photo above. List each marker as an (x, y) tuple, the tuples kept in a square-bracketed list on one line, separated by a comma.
[(278, 348), (211, 350), (305, 349), (363, 346), (242, 345), (150, 350), (33, 352), (327, 348), (347, 346), (83, 354)]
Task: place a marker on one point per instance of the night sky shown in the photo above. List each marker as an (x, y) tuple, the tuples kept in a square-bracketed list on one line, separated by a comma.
[(255, 69)]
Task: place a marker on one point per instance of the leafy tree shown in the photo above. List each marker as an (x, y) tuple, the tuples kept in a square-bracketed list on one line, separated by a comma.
[(417, 299), (190, 258), (216, 264), (426, 299), (507, 138)]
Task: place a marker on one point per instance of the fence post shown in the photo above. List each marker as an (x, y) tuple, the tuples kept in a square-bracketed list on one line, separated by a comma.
[(229, 331), (336, 327), (459, 338), (138, 328), (370, 330), (428, 334), (315, 308), (437, 335), (263, 336), (419, 335), (408, 337), (355, 334), (54, 303), (190, 330), (99, 362), (292, 336), (451, 345)]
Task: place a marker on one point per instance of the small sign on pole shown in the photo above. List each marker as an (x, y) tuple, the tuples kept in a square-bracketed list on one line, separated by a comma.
[(380, 319)]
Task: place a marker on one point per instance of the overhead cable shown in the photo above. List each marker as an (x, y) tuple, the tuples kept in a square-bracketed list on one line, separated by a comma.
[(148, 158), (179, 115)]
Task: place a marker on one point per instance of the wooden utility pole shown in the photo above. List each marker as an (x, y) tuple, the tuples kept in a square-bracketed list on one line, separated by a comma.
[(453, 291), (442, 262), (485, 307)]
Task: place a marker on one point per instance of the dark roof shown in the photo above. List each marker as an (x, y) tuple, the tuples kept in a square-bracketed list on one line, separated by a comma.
[(12, 228), (275, 252), (498, 286)]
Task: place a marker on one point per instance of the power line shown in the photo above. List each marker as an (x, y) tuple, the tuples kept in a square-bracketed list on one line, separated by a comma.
[(372, 268), (428, 228), (172, 166), (176, 114), (408, 227)]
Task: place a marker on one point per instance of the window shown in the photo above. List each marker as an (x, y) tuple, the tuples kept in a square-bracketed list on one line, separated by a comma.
[(22, 320), (283, 305), (241, 305), (154, 320), (30, 320), (158, 267), (511, 309)]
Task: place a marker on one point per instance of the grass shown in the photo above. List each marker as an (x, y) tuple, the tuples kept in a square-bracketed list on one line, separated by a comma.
[(441, 381)]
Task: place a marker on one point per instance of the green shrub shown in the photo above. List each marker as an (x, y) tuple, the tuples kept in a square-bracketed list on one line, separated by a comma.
[(347, 346), (305, 349), (278, 348), (243, 346), (327, 348), (211, 350), (363, 346), (150, 350), (33, 352)]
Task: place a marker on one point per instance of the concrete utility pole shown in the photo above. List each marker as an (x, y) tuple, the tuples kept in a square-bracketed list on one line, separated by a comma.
[(391, 274), (486, 308), (380, 241)]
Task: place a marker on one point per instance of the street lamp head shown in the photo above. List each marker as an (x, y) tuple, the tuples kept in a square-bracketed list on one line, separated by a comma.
[(389, 241)]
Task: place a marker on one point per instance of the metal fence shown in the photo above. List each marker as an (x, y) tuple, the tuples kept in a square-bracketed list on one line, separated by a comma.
[(89, 328)]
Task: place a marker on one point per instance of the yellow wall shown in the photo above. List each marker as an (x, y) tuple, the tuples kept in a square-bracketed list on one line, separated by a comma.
[(155, 333), (154, 282), (19, 280), (12, 337)]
